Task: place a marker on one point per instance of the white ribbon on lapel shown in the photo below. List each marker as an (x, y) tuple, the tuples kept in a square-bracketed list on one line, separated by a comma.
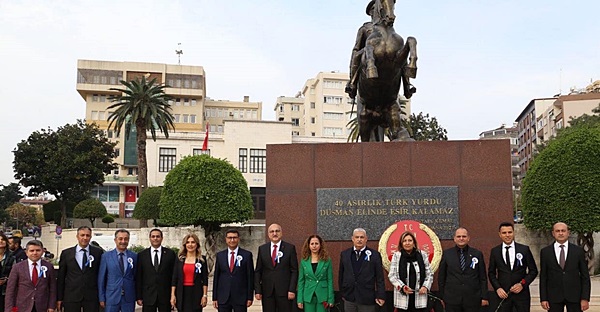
[(130, 262), (279, 255), (43, 271), (474, 262), (368, 255), (239, 260), (198, 267), (90, 260), (519, 257)]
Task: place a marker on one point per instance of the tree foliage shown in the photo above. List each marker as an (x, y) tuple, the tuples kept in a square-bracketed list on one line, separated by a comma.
[(108, 219), (9, 194), (563, 184), (144, 105), (21, 213), (66, 163), (148, 205), (424, 128), (90, 209), (205, 191), (52, 209)]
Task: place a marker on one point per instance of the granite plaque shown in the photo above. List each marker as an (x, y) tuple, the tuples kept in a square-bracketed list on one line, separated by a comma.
[(340, 210)]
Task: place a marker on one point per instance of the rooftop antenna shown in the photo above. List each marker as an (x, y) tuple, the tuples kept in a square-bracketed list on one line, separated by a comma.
[(179, 52)]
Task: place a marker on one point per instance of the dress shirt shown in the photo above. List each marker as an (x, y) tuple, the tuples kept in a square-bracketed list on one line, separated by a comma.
[(511, 253), (235, 251), (557, 250), (39, 266), (79, 255), (153, 253)]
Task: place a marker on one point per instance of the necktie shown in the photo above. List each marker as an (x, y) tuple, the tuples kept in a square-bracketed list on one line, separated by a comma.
[(274, 254), (562, 257), (232, 261), (121, 264), (463, 262), (84, 259), (155, 260), (357, 254), (507, 256), (34, 274)]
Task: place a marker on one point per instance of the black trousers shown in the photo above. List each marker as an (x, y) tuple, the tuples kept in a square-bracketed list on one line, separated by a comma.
[(276, 304), (161, 307), (87, 306), (560, 307)]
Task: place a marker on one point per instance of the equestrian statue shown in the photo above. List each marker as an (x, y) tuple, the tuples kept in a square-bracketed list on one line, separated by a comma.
[(380, 63)]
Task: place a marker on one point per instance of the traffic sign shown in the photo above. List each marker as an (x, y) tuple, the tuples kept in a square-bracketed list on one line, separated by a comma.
[(58, 236), (58, 230)]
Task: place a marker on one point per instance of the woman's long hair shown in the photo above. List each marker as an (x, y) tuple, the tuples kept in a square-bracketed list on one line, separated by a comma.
[(323, 255), (183, 250)]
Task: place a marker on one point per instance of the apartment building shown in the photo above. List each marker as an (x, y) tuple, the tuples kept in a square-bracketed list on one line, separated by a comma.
[(509, 133)]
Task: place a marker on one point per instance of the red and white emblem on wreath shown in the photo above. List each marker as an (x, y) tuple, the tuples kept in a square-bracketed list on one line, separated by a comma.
[(426, 241)]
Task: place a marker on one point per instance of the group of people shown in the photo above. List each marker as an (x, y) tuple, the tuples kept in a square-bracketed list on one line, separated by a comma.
[(159, 280)]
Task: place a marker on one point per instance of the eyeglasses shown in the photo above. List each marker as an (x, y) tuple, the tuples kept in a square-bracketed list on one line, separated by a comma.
[(274, 231), (232, 237)]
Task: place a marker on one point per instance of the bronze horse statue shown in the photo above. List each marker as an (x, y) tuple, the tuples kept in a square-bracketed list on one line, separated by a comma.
[(386, 63)]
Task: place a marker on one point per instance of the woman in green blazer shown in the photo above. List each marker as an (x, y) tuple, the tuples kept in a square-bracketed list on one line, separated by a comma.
[(315, 281)]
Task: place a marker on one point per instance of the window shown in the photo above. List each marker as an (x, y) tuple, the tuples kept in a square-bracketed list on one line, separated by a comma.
[(220, 113), (312, 134), (331, 131), (312, 104), (176, 117), (131, 171), (332, 84), (258, 160), (243, 160), (94, 115), (220, 128), (186, 118), (213, 128), (193, 102), (295, 122), (332, 99), (177, 102), (117, 152), (109, 134), (333, 116), (254, 114), (186, 102), (199, 151), (95, 98), (295, 133), (192, 118), (242, 114), (166, 159), (313, 120), (101, 115), (295, 108), (281, 108)]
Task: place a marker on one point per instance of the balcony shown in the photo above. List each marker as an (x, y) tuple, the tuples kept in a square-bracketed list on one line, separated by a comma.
[(116, 179)]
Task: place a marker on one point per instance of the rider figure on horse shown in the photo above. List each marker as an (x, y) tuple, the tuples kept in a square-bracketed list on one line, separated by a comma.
[(361, 39)]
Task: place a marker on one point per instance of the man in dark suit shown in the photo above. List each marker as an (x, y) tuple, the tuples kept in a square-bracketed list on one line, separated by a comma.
[(276, 274), (361, 276), (14, 244), (462, 278), (233, 281), (154, 275), (32, 283), (78, 275), (564, 275), (116, 276), (512, 269)]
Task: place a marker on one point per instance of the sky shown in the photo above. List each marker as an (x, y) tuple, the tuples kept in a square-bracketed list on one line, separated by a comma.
[(480, 61)]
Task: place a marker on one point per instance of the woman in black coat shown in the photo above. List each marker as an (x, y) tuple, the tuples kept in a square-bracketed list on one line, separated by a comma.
[(189, 288)]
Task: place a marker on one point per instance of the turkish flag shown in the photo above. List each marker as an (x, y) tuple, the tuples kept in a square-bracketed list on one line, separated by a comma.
[(205, 144)]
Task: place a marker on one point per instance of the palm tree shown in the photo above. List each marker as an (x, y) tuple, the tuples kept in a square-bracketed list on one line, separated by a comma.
[(143, 104)]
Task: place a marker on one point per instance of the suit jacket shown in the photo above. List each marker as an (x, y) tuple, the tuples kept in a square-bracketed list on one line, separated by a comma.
[(111, 282), (368, 284), (20, 289), (319, 282), (154, 286), (457, 286), (401, 299), (200, 280), (75, 284), (280, 279), (503, 276), (235, 287), (571, 284), (20, 254)]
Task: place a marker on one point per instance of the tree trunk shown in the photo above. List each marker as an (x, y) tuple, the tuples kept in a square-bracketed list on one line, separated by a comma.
[(210, 245), (142, 162), (63, 213), (586, 241)]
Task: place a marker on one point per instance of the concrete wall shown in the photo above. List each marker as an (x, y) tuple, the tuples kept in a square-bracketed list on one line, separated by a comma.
[(252, 236)]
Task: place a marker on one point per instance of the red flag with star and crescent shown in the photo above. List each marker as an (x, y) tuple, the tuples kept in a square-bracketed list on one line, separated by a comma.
[(205, 144)]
